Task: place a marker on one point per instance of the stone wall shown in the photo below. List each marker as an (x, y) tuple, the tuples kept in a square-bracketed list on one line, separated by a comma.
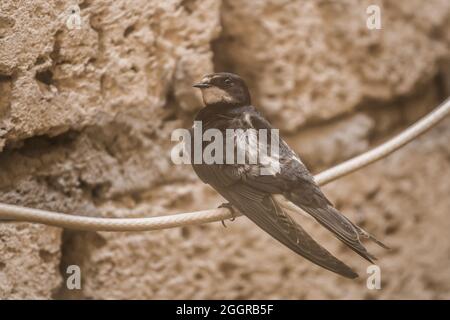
[(85, 122)]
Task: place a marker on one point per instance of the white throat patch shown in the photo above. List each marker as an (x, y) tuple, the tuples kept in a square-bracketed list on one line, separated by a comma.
[(214, 95)]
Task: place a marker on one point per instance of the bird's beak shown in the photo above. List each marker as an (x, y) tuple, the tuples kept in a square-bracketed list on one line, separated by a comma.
[(202, 85)]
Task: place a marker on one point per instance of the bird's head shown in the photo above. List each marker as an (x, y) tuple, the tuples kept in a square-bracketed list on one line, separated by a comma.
[(225, 89)]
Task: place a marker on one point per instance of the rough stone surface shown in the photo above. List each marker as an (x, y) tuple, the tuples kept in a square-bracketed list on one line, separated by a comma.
[(86, 117), (315, 60), (86, 114), (30, 257)]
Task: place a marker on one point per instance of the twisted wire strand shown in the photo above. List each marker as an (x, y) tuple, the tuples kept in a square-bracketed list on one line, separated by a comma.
[(78, 222)]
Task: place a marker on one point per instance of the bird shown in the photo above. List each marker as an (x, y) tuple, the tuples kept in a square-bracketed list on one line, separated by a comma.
[(268, 199)]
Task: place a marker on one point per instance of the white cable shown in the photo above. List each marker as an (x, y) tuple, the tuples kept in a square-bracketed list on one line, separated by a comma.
[(18, 213)]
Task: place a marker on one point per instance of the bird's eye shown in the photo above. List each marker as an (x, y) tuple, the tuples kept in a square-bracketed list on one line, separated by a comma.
[(227, 81)]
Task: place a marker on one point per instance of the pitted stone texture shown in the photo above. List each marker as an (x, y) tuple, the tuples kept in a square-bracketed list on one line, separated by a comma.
[(86, 114), (324, 145), (29, 261), (313, 60), (321, 146), (126, 57)]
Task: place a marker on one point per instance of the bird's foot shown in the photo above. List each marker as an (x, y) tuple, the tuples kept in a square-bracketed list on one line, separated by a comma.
[(230, 207)]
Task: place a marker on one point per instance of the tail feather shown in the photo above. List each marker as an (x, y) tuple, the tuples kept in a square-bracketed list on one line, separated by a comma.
[(371, 237), (341, 227)]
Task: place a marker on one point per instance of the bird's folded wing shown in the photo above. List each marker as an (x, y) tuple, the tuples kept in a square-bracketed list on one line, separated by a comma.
[(263, 210), (306, 194)]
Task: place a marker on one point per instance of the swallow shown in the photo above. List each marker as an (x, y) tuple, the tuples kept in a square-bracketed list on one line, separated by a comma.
[(269, 199)]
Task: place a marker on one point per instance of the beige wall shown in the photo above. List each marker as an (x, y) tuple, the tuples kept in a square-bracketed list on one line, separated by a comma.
[(86, 117)]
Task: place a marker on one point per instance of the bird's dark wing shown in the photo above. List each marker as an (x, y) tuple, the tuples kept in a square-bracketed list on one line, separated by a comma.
[(251, 193), (298, 185), (262, 209)]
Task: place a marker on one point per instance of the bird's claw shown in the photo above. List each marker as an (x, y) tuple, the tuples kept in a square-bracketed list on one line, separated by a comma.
[(230, 207)]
